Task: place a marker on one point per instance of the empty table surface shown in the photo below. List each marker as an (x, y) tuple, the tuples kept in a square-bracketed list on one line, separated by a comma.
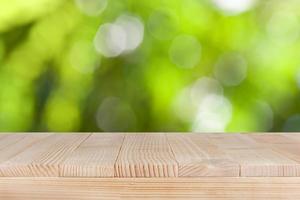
[(117, 155)]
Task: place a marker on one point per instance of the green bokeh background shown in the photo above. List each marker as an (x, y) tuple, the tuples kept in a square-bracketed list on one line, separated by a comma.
[(42, 40)]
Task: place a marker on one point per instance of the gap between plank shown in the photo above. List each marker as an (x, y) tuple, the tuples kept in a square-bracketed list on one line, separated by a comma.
[(121, 146), (167, 139), (59, 164)]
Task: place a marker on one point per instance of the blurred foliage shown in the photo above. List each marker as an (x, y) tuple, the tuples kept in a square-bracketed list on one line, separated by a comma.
[(189, 65)]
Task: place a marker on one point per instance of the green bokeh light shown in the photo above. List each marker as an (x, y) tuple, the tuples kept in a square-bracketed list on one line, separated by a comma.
[(54, 75)]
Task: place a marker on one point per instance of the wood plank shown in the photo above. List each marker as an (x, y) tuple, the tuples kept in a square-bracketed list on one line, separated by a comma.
[(44, 157), (291, 151), (20, 145), (146, 155), (293, 136), (272, 138), (232, 141), (10, 139), (2, 135), (95, 157), (196, 157), (223, 188), (264, 162), (150, 155)]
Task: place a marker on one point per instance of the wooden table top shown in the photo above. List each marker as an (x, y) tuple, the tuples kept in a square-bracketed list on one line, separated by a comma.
[(119, 155)]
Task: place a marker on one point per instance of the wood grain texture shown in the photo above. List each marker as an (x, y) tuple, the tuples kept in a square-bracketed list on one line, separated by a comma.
[(146, 155), (2, 135), (42, 158), (177, 166), (264, 162), (10, 139), (95, 157), (149, 155), (232, 141), (290, 151), (293, 136), (272, 138), (19, 146), (197, 157), (212, 188)]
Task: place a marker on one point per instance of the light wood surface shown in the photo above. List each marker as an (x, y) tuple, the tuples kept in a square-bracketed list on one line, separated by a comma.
[(146, 155), (8, 140), (273, 138), (149, 155), (151, 166), (264, 163), (232, 141), (95, 157), (19, 145), (212, 188), (196, 156), (43, 157)]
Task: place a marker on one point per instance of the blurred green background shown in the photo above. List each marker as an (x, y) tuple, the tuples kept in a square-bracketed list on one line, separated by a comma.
[(159, 65)]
